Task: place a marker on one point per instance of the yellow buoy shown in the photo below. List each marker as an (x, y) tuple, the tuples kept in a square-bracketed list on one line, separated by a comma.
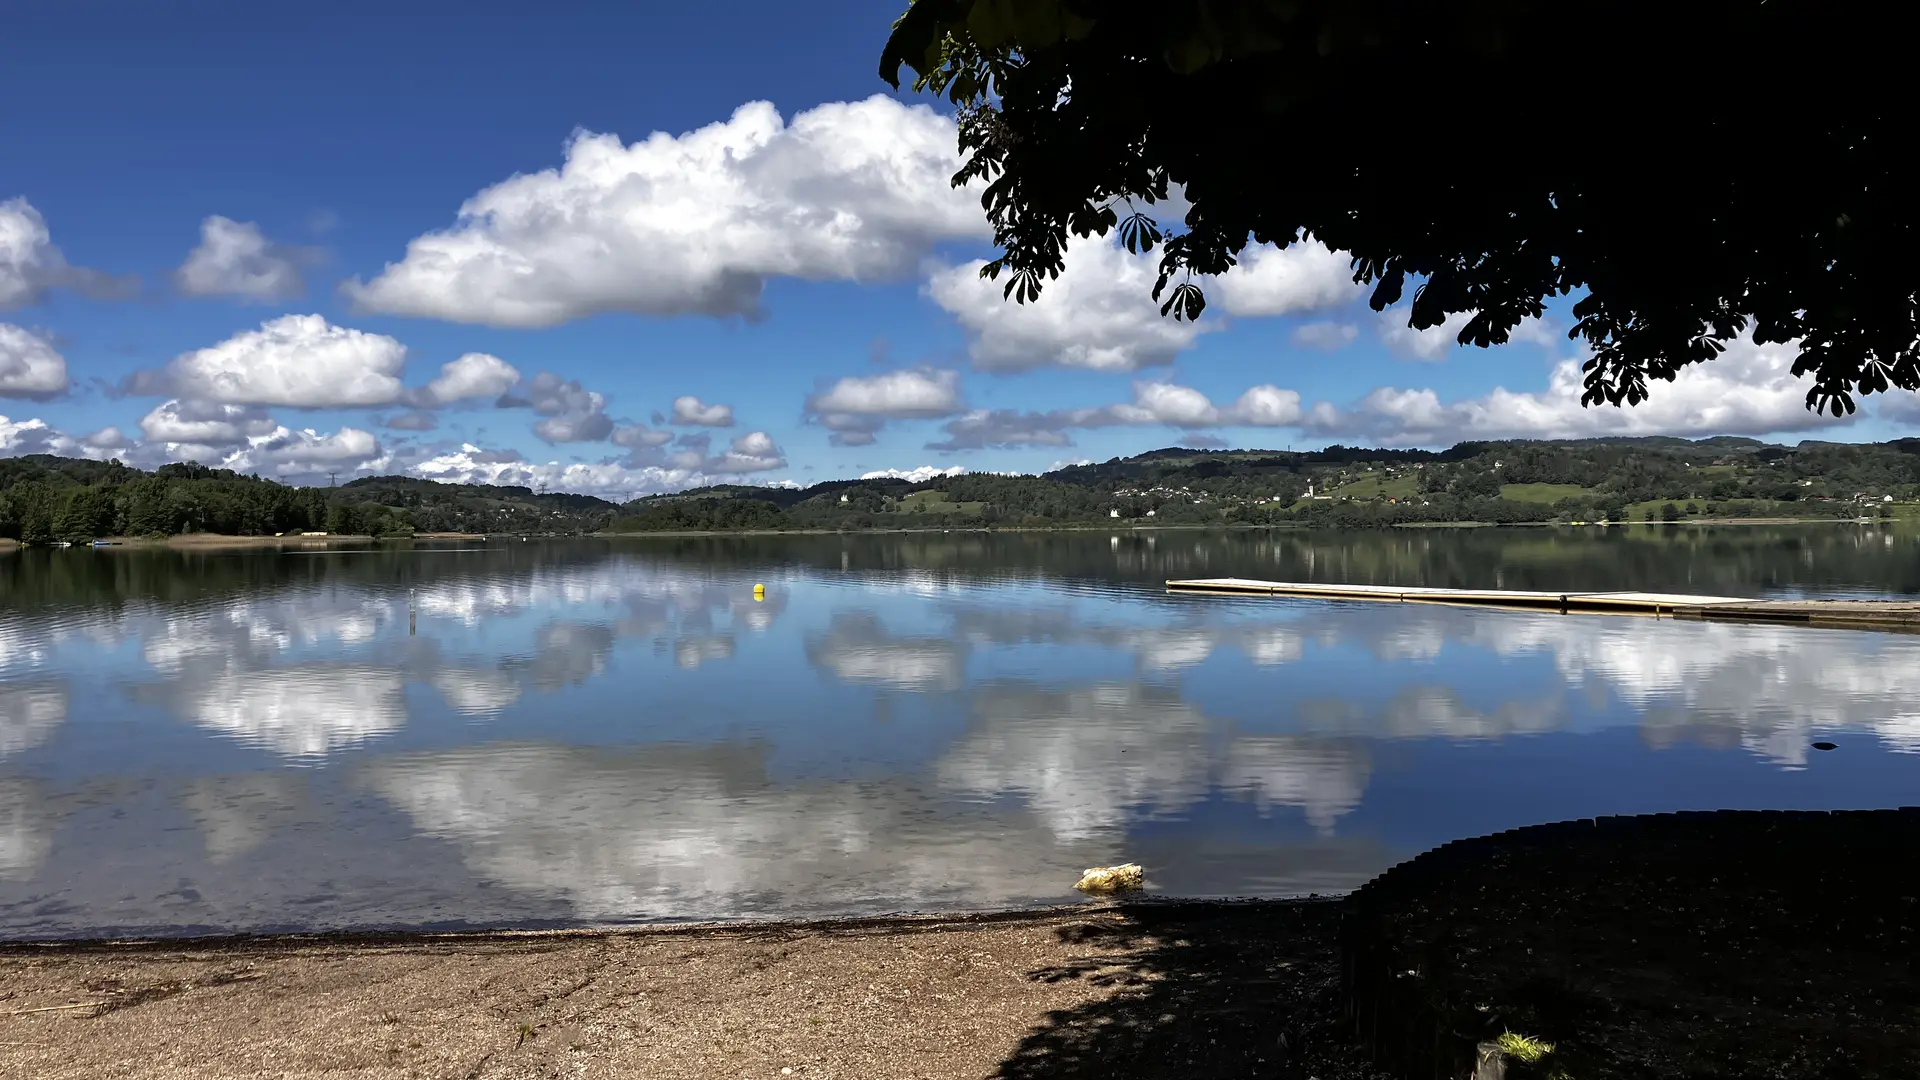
[(759, 592)]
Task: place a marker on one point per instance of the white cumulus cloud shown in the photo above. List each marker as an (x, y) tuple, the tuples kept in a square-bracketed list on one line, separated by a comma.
[(30, 265), (296, 361), (473, 375), (30, 367), (222, 436), (1749, 390), (205, 424), (856, 407), (750, 453), (636, 436), (1429, 345), (289, 452), (28, 259), (693, 223), (1099, 314), (19, 438), (691, 411), (611, 480), (1306, 276), (412, 420), (1183, 406), (569, 412), (108, 441), (1325, 334), (918, 475), (234, 259), (588, 426), (1436, 342), (1154, 404)]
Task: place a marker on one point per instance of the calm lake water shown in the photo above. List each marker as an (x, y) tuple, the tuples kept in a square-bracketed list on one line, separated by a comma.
[(606, 732)]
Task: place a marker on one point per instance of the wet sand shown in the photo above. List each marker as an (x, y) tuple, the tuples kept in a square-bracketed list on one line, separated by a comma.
[(1176, 990)]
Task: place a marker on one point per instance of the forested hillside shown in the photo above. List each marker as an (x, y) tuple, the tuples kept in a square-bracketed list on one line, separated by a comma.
[(1657, 479), (43, 498)]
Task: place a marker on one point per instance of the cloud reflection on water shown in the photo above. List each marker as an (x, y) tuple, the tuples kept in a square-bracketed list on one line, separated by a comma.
[(26, 828), (307, 671), (29, 714), (237, 814), (1018, 733), (298, 712), (857, 648), (476, 693), (1043, 783), (702, 831), (1774, 685), (1771, 687), (1086, 760)]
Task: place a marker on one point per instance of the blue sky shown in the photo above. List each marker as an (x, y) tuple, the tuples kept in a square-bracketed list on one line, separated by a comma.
[(234, 232)]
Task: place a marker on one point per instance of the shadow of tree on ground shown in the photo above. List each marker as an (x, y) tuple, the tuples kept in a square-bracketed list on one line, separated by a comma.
[(1199, 990)]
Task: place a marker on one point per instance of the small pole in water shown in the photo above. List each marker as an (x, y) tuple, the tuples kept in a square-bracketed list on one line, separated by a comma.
[(410, 614)]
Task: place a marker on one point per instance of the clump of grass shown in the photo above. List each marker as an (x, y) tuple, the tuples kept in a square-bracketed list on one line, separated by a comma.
[(1523, 1048)]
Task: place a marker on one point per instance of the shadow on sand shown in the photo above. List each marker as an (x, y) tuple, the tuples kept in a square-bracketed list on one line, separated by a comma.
[(1213, 990)]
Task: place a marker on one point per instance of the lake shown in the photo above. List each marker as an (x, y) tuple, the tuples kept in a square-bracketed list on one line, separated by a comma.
[(604, 732)]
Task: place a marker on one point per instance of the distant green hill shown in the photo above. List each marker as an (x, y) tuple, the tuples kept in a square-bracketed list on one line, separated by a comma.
[(45, 498), (1512, 481)]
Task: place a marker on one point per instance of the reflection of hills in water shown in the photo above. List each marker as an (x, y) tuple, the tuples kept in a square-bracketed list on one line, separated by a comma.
[(1732, 559), (1736, 559)]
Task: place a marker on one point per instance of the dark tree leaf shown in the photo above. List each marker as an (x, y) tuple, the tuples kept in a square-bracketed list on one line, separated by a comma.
[(1139, 233), (1283, 118), (1187, 302)]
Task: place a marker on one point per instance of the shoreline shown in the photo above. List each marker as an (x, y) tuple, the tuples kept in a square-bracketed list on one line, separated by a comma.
[(223, 540), (1222, 527), (1729, 942), (907, 921), (1010, 994), (228, 540)]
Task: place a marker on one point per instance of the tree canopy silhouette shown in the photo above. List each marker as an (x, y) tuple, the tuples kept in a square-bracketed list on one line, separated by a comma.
[(1698, 170)]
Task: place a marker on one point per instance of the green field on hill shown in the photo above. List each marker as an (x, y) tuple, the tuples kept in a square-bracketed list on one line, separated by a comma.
[(1543, 493)]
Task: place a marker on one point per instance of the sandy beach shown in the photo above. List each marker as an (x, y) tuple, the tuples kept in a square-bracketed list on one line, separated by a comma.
[(1179, 990)]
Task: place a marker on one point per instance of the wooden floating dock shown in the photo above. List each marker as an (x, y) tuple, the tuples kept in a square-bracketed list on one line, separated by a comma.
[(1856, 614)]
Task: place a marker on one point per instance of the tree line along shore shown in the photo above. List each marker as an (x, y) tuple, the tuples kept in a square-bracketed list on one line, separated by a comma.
[(46, 499)]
